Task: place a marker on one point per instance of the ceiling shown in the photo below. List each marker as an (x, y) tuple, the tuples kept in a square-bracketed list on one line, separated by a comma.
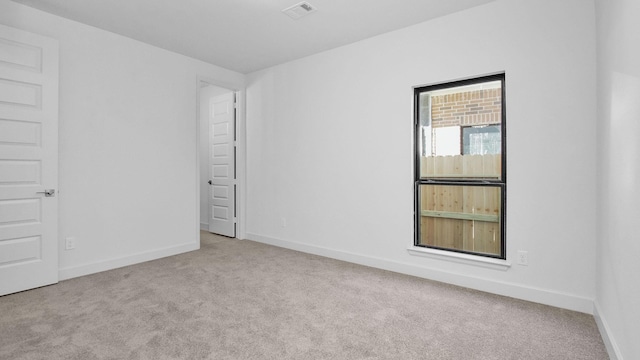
[(249, 35)]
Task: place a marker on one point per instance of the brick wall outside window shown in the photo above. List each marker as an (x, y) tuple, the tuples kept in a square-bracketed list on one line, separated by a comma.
[(480, 107)]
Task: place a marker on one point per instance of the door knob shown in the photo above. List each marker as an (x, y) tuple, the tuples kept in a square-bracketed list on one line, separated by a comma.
[(210, 183), (47, 192)]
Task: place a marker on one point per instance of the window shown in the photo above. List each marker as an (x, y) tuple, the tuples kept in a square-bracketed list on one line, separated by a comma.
[(460, 177)]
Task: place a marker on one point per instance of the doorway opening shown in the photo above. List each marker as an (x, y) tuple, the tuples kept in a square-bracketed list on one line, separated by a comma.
[(217, 153)]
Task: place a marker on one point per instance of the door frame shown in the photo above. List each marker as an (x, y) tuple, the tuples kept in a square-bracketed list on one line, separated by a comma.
[(240, 130)]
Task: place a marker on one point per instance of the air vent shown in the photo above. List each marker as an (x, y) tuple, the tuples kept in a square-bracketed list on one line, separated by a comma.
[(299, 10)]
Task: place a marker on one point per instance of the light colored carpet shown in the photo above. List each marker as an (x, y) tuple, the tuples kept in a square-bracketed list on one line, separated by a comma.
[(244, 300)]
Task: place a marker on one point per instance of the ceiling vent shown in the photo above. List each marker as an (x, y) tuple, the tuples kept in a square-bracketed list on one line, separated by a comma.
[(299, 10)]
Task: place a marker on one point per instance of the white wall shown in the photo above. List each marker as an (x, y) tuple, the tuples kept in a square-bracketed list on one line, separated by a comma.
[(330, 146), (128, 173), (618, 287)]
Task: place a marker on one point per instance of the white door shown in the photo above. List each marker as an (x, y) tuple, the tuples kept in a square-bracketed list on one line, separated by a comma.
[(28, 160), (222, 165)]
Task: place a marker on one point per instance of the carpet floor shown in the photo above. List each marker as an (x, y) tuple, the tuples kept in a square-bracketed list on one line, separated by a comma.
[(244, 300)]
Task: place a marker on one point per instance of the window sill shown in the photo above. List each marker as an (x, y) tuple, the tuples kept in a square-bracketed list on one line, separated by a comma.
[(475, 260)]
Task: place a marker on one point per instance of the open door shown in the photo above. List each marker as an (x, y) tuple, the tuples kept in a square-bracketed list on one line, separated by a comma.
[(28, 160), (222, 174)]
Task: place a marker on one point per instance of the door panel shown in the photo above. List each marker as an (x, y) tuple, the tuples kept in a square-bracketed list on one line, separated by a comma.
[(19, 133), (13, 172), (28, 160), (222, 165), (22, 211)]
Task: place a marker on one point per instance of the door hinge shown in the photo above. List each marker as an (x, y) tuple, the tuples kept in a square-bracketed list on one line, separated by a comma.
[(235, 220)]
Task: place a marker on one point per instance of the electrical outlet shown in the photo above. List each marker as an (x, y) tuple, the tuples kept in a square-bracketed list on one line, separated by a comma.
[(523, 258), (284, 222), (70, 243)]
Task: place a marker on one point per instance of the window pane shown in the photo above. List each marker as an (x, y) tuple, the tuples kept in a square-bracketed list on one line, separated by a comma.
[(460, 217), (481, 140), (460, 132), (425, 124)]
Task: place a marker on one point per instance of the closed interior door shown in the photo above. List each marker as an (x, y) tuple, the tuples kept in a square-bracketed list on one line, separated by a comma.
[(28, 160), (222, 165)]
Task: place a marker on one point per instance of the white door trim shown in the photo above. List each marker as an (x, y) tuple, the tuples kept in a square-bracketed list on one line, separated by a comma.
[(240, 153)]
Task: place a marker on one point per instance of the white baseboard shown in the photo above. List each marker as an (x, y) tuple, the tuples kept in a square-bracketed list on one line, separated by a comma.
[(114, 263), (542, 296), (605, 332), (204, 226)]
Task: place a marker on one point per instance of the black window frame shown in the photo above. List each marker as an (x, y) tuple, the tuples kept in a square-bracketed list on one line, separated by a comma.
[(500, 183)]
